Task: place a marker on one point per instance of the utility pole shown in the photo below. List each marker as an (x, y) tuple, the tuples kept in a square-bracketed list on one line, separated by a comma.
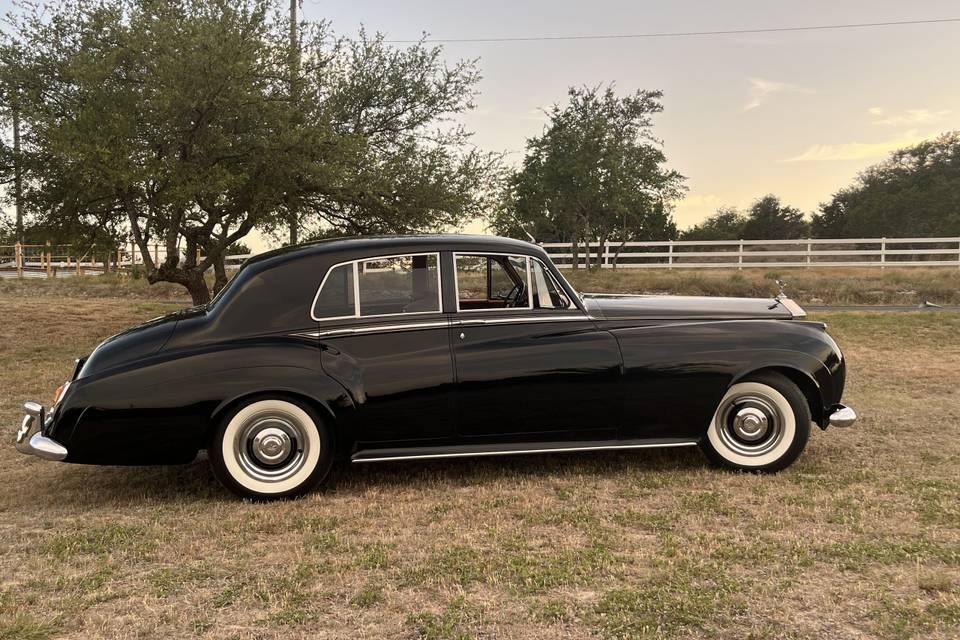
[(17, 167), (294, 72)]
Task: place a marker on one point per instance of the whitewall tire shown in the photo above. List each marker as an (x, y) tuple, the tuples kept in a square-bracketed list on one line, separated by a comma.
[(761, 424), (271, 448)]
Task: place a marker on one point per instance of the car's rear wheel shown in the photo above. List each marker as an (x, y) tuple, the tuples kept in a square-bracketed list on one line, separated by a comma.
[(761, 424), (271, 448)]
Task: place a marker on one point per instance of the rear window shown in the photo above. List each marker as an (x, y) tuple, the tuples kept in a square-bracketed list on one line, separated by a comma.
[(382, 286)]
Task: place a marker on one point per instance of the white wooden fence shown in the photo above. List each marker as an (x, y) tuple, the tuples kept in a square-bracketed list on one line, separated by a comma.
[(741, 254)]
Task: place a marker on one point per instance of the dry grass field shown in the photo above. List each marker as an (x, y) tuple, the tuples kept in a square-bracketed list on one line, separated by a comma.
[(860, 539)]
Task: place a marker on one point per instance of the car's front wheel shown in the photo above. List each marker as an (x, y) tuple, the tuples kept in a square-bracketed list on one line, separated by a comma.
[(761, 424), (271, 448)]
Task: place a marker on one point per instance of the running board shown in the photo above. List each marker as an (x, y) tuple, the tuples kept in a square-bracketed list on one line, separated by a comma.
[(512, 449)]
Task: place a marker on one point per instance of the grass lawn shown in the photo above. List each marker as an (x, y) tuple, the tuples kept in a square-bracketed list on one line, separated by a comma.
[(859, 539)]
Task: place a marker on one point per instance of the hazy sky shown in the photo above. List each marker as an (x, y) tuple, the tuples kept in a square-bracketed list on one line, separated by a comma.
[(795, 114)]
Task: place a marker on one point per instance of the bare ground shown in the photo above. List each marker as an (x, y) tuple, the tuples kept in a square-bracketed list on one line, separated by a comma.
[(859, 539)]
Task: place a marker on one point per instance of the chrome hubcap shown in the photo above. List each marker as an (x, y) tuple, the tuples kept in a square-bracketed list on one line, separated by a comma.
[(750, 425), (271, 446)]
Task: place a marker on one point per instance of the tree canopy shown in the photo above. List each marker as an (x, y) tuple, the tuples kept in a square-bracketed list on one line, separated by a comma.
[(596, 171), (767, 219), (915, 192), (184, 122)]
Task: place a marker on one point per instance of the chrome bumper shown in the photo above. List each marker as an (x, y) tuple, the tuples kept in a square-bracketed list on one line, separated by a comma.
[(842, 416), (34, 443)]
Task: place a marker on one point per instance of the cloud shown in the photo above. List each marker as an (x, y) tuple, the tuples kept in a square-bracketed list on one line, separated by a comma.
[(697, 200), (858, 150), (761, 89), (908, 117)]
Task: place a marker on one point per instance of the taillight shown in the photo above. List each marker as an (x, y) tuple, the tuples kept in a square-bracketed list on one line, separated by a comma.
[(59, 393)]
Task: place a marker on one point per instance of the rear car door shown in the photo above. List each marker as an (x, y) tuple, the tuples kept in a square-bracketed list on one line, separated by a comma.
[(530, 364), (384, 337)]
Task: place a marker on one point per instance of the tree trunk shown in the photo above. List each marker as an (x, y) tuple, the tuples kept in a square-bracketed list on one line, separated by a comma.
[(220, 275), (197, 287)]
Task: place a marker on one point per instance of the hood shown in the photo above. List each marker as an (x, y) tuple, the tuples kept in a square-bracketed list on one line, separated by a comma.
[(657, 307), (134, 343)]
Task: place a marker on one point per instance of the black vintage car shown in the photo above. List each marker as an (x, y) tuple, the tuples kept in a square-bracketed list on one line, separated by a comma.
[(398, 348)]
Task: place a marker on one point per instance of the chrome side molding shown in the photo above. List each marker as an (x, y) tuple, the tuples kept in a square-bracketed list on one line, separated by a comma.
[(357, 458)]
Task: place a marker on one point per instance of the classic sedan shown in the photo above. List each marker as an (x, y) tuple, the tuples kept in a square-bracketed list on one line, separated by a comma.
[(396, 348)]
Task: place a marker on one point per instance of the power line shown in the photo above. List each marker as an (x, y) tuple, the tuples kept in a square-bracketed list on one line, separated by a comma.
[(684, 34)]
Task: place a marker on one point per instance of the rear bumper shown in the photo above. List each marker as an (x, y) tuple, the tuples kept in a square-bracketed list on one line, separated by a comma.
[(31, 441), (842, 416)]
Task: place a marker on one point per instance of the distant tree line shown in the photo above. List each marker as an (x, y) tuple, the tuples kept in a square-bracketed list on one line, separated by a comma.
[(913, 193)]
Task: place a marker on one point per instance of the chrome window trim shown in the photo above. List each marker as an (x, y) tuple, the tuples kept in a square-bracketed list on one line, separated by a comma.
[(467, 322), (356, 288), (481, 254)]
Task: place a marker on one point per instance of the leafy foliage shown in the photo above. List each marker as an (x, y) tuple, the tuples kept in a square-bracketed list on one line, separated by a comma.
[(915, 192), (184, 122), (767, 219), (726, 224), (595, 172)]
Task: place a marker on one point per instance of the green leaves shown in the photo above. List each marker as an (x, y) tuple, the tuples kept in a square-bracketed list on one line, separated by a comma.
[(190, 123), (596, 171)]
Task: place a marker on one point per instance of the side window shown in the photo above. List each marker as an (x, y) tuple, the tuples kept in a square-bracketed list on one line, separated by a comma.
[(402, 284), (335, 298), (547, 293), (492, 282)]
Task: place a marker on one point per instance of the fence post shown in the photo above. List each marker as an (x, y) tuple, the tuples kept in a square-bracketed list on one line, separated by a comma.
[(740, 256), (156, 253), (18, 258), (49, 265), (670, 256), (958, 253), (606, 254), (809, 251), (883, 252)]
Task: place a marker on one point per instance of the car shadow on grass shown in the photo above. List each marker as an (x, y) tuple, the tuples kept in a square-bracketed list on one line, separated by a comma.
[(80, 485)]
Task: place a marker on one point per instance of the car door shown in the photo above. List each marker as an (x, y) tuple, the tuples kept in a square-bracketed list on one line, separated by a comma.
[(384, 337), (530, 364)]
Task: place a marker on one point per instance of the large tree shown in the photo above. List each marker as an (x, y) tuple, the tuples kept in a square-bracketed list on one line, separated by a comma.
[(184, 122), (596, 172), (915, 192)]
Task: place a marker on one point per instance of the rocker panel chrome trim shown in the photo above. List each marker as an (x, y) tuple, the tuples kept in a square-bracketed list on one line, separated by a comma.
[(511, 452)]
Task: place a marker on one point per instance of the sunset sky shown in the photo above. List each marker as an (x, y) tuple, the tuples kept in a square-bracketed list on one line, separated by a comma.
[(795, 114)]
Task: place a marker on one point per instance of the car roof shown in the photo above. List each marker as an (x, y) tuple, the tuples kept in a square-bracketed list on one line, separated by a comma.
[(359, 245)]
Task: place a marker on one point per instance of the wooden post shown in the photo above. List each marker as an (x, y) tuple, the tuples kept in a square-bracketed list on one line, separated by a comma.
[(670, 257), (809, 250), (78, 266), (740, 256), (49, 266), (156, 254), (883, 253), (18, 257), (606, 253)]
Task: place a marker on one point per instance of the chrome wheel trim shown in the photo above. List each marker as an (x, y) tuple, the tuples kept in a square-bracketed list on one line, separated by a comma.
[(271, 446), (748, 442), (750, 424)]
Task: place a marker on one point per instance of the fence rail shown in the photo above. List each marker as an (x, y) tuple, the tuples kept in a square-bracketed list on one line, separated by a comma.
[(744, 254), (58, 261)]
